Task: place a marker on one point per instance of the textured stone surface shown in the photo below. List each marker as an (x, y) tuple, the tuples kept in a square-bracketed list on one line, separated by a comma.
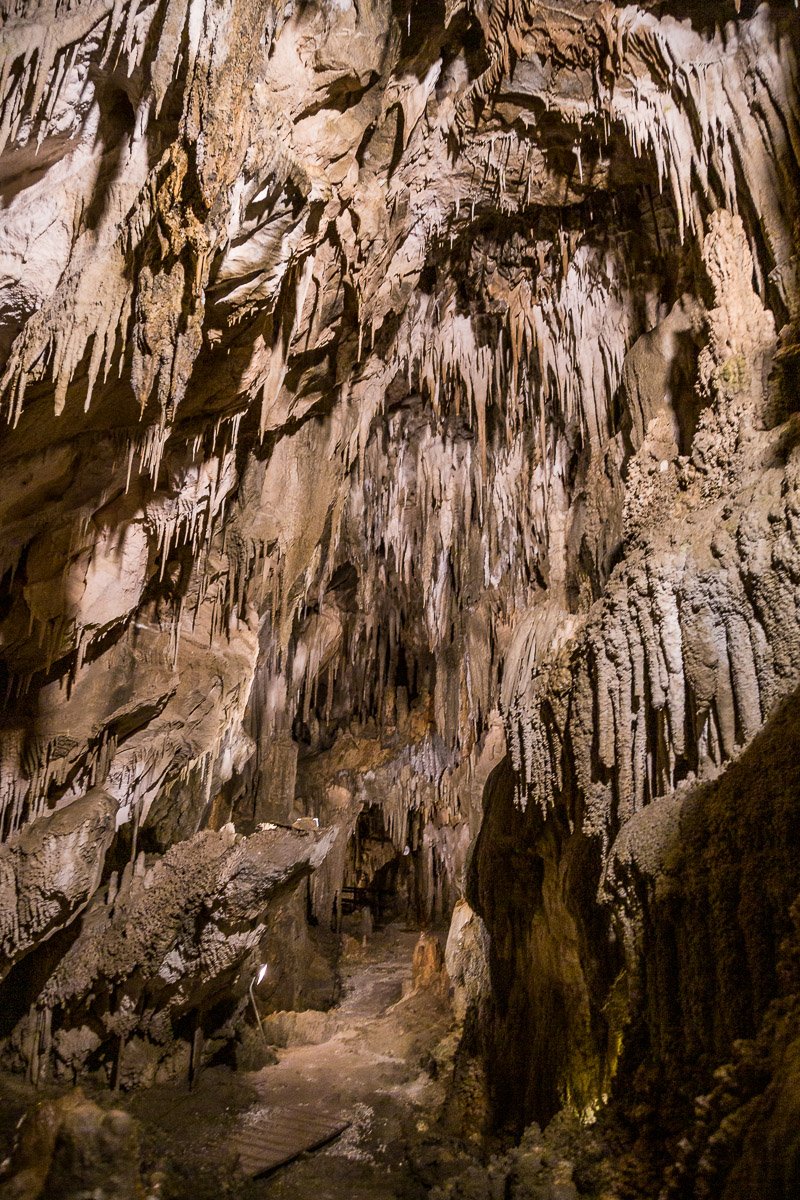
[(71, 1148), (51, 870), (402, 433)]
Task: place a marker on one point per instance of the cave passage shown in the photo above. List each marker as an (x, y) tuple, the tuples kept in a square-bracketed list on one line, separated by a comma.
[(399, 600)]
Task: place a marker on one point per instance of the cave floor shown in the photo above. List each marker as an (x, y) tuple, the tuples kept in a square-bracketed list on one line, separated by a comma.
[(374, 1067)]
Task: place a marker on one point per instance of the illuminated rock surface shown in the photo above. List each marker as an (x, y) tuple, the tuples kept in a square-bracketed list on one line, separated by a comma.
[(402, 437)]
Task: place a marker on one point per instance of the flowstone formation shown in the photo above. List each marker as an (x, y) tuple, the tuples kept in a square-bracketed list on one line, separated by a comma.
[(402, 440)]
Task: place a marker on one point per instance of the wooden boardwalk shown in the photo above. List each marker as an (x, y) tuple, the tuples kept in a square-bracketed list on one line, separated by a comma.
[(284, 1133)]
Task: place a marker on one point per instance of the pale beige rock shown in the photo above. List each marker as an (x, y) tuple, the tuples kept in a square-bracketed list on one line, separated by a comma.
[(49, 872), (467, 959), (385, 393)]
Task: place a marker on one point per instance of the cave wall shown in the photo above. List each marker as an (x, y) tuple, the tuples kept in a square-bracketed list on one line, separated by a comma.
[(547, 1032), (390, 388)]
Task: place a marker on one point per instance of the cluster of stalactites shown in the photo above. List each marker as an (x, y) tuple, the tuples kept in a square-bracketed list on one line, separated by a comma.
[(675, 668), (669, 676), (459, 524), (556, 357), (719, 117), (454, 514)]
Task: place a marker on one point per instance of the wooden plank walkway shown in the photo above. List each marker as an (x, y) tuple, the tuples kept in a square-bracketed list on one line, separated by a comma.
[(284, 1133)]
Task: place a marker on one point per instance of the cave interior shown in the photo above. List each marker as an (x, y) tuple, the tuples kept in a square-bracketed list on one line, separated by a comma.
[(399, 590)]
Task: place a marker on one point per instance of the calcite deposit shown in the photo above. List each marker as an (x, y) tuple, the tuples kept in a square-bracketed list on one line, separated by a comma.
[(402, 438)]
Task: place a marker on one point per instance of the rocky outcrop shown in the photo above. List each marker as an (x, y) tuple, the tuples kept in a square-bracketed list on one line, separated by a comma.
[(615, 712), (70, 1147), (51, 871), (161, 945)]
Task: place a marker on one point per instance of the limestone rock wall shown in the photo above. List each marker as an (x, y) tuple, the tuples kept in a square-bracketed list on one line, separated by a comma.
[(387, 385)]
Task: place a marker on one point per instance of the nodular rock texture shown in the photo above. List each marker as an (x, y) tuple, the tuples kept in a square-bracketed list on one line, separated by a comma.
[(402, 431)]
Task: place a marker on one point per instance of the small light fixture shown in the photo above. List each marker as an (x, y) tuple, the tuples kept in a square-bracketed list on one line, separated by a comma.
[(254, 982)]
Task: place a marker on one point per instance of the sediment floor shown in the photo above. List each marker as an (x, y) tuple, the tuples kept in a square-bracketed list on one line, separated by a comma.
[(371, 1060)]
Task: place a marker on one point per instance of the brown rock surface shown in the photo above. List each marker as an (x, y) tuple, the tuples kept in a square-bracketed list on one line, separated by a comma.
[(402, 435), (71, 1148)]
